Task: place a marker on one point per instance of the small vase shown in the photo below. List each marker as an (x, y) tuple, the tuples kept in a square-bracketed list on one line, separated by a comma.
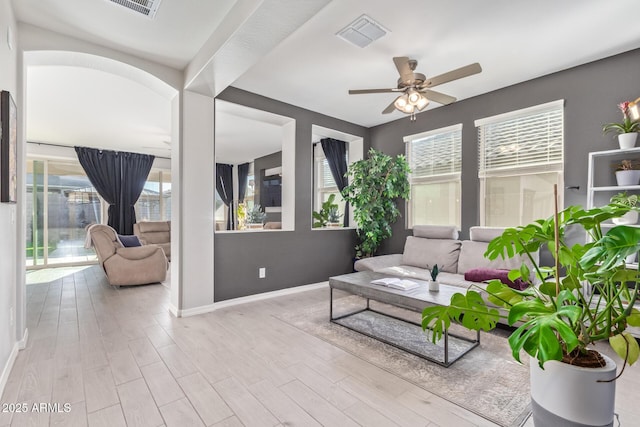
[(628, 177), (434, 286), (627, 140)]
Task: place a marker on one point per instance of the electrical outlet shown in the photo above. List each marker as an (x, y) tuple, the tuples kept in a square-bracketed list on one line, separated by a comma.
[(262, 273)]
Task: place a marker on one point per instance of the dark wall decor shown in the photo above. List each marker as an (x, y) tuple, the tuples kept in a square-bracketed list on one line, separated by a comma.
[(8, 148)]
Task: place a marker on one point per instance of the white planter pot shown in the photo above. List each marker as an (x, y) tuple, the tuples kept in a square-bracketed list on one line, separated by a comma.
[(567, 395), (630, 217), (627, 140), (434, 286), (630, 177)]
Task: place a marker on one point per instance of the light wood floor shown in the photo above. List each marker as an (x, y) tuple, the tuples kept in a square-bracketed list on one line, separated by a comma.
[(121, 359)]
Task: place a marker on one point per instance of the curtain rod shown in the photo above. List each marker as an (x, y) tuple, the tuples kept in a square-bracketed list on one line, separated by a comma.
[(70, 146)]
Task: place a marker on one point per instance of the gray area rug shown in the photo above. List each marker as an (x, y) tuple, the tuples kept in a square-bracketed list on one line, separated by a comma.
[(486, 381)]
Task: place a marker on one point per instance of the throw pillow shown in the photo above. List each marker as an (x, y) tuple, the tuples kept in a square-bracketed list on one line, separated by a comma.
[(484, 274), (129, 241)]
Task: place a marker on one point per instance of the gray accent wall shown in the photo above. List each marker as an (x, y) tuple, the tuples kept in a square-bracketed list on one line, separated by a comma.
[(591, 93), (291, 258)]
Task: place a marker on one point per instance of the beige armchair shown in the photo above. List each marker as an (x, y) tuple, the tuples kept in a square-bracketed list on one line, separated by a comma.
[(127, 266), (155, 233)]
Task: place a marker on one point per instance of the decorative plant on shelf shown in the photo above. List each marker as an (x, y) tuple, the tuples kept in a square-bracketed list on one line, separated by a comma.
[(628, 125), (627, 165), (559, 316), (241, 213), (255, 215), (375, 185), (334, 215), (630, 201), (328, 213)]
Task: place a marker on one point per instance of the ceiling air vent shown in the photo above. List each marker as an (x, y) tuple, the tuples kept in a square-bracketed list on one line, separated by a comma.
[(145, 7), (362, 31)]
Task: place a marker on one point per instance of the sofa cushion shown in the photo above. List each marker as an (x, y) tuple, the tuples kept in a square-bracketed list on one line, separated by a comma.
[(485, 234), (425, 253), (485, 274), (436, 231), (472, 256)]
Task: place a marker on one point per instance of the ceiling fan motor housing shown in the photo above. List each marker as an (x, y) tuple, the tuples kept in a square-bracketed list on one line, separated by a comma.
[(416, 80)]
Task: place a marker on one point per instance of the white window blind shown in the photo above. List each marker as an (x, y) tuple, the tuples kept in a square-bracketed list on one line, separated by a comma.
[(524, 140), (435, 159), (435, 154)]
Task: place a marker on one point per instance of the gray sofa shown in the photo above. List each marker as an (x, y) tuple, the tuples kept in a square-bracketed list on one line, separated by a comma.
[(432, 245)]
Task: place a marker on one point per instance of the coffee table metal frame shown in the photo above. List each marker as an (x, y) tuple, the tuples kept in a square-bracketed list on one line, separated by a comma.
[(415, 300)]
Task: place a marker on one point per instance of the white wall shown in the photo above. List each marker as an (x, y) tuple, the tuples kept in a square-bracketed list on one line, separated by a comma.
[(9, 280)]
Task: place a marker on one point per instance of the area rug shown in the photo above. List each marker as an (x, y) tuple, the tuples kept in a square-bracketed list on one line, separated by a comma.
[(486, 381)]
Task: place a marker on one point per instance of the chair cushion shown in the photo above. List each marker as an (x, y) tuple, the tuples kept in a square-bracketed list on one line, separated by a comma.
[(152, 226), (425, 253), (129, 241), (485, 274)]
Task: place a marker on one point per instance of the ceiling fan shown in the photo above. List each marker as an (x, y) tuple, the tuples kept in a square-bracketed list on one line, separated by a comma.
[(415, 88)]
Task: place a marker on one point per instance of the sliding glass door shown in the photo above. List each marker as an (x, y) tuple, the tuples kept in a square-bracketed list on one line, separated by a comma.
[(61, 203)]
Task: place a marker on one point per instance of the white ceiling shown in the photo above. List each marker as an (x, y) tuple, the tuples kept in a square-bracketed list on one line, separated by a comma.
[(176, 34), (514, 41)]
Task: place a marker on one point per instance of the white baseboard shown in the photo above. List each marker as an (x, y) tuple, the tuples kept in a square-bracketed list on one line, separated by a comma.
[(22, 344), (8, 366), (244, 300)]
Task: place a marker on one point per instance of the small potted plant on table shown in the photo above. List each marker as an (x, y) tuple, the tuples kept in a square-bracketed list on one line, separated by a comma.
[(630, 201)]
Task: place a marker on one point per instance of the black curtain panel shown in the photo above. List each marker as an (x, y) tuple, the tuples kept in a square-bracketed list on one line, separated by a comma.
[(224, 186), (135, 170), (243, 174), (104, 171), (336, 153)]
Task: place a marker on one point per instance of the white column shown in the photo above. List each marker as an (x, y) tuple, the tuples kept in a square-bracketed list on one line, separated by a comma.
[(192, 205)]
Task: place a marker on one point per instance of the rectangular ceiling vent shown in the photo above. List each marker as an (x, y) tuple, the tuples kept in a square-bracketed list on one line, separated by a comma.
[(145, 7), (362, 32)]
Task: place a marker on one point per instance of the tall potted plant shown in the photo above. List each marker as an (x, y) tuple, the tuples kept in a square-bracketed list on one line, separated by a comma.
[(565, 310), (375, 185)]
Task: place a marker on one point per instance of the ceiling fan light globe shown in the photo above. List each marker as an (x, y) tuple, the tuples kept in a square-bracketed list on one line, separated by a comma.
[(401, 102), (414, 97), (423, 102), (408, 109)]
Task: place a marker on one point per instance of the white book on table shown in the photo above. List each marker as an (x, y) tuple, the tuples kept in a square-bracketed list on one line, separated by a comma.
[(396, 283)]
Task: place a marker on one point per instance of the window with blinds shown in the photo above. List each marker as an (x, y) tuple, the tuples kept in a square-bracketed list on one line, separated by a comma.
[(435, 158), (520, 157), (324, 184)]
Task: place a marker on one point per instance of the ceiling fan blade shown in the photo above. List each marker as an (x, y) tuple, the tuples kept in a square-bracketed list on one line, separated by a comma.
[(456, 74), (402, 64), (390, 108), (364, 91), (438, 97)]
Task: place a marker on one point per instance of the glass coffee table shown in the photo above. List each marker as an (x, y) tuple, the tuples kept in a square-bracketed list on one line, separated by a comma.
[(386, 319)]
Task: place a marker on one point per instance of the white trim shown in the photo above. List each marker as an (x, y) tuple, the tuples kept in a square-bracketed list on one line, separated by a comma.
[(452, 128), (522, 112), (22, 344), (244, 300), (9, 366)]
